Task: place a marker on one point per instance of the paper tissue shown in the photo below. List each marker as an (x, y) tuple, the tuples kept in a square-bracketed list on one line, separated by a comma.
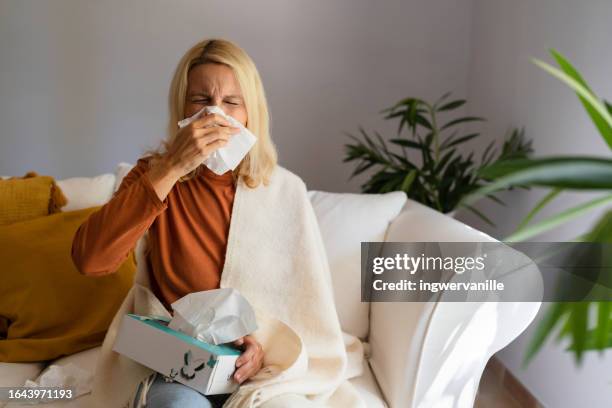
[(218, 316), (228, 157), (214, 316), (67, 376)]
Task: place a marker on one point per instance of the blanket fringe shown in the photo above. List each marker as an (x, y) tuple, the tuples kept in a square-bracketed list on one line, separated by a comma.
[(143, 388), (244, 399)]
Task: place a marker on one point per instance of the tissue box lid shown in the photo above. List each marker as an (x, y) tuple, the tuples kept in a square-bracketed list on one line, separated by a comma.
[(219, 350)]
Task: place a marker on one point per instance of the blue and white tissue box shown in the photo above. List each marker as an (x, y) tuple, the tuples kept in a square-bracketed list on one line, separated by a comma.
[(207, 368)]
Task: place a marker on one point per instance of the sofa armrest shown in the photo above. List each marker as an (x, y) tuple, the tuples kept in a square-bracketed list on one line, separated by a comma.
[(429, 353)]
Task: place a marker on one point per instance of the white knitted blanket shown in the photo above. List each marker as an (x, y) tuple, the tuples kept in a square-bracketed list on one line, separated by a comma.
[(276, 259)]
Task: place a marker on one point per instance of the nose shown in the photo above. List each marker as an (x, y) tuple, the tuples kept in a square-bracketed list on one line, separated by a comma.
[(218, 104), (217, 101)]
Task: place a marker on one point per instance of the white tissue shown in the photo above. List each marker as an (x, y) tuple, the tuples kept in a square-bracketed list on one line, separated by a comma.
[(228, 157), (67, 376), (214, 316)]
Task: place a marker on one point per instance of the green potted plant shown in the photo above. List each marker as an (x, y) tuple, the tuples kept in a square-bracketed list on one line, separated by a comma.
[(424, 159), (570, 320)]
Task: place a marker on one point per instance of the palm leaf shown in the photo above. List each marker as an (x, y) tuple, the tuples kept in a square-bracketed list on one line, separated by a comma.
[(460, 140), (580, 173), (448, 139), (591, 340), (602, 231), (480, 214), (539, 206), (552, 318), (488, 154), (496, 200), (462, 120), (404, 161), (408, 180), (423, 121), (447, 156), (452, 105), (602, 332), (600, 115), (604, 129), (600, 337), (361, 168), (558, 219), (442, 99), (407, 143), (578, 319)]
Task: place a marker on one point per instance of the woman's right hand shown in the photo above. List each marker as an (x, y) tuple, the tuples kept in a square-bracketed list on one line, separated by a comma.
[(196, 141), (191, 146)]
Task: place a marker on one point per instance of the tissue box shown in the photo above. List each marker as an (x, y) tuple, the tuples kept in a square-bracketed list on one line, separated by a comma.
[(204, 367)]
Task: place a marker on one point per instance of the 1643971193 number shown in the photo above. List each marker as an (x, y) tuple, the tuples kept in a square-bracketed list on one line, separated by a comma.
[(30, 394)]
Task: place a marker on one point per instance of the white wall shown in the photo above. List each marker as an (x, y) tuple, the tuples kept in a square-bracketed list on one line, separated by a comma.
[(508, 90), (83, 84)]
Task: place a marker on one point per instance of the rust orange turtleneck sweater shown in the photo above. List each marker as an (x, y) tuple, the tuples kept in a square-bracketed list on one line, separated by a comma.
[(187, 232)]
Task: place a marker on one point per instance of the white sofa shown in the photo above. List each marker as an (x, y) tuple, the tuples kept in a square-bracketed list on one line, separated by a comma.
[(416, 354)]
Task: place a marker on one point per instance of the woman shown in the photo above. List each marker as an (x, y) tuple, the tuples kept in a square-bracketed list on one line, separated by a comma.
[(187, 211)]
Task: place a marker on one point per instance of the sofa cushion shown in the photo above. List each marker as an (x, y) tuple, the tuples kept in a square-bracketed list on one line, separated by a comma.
[(28, 197), (346, 220), (121, 171), (85, 192), (51, 309)]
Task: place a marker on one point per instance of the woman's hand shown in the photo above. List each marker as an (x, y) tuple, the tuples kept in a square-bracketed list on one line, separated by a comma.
[(251, 359), (196, 141), (189, 149)]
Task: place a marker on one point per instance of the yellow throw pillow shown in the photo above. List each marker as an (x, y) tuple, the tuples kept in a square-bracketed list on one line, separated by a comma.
[(28, 197), (50, 309)]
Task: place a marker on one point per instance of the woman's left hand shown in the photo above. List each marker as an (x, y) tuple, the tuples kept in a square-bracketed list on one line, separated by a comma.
[(251, 359)]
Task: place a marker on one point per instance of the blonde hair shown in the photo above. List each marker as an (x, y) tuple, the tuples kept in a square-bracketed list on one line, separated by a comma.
[(259, 163)]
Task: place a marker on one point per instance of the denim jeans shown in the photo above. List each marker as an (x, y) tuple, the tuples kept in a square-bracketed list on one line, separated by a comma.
[(164, 394)]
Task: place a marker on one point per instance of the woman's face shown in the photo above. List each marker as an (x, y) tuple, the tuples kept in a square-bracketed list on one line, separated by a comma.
[(214, 84)]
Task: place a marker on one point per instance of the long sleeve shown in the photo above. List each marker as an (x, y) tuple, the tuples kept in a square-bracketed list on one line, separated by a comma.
[(103, 242)]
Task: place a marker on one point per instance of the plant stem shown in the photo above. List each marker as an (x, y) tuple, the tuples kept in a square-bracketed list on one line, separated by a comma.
[(435, 135)]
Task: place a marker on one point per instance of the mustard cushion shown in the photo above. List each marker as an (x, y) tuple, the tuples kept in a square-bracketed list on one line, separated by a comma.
[(28, 197), (49, 308)]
